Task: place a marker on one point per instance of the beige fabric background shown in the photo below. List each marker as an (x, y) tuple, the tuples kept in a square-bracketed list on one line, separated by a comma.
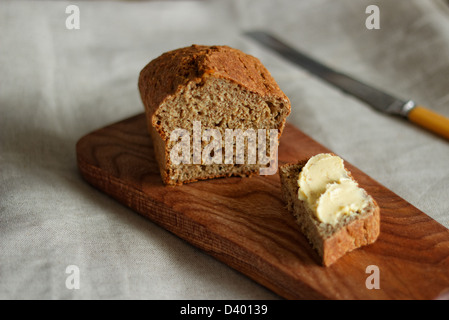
[(57, 85)]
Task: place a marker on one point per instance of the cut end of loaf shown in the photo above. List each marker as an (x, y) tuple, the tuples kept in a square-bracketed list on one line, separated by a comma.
[(330, 242), (219, 104)]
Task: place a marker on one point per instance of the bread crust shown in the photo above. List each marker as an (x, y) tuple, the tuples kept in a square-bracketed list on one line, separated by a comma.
[(352, 234)]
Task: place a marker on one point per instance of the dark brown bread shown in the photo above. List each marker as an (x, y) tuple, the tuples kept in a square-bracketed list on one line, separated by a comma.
[(330, 242), (223, 88)]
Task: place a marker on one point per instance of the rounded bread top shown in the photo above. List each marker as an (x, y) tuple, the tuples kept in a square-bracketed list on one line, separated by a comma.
[(167, 74)]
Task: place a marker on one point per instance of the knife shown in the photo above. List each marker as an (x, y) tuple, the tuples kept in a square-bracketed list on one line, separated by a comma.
[(378, 99)]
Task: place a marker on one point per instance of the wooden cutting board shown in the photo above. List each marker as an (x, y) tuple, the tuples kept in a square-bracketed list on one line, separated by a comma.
[(243, 222)]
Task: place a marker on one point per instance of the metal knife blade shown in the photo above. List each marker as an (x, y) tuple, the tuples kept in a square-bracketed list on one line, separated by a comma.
[(370, 95)]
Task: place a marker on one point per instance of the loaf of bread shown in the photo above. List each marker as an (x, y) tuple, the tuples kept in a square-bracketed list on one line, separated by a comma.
[(222, 88), (347, 224)]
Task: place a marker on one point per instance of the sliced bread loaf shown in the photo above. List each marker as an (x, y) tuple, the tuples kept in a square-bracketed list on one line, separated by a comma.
[(218, 87), (346, 226)]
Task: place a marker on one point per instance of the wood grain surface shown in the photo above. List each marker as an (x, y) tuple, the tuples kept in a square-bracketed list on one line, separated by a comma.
[(243, 221)]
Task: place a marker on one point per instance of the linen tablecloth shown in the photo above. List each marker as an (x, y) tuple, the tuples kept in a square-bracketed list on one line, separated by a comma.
[(58, 84)]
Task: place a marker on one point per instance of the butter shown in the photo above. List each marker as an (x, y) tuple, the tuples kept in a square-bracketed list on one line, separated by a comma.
[(328, 190)]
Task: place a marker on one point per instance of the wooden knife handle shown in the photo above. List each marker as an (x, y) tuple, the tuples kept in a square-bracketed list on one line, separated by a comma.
[(430, 120)]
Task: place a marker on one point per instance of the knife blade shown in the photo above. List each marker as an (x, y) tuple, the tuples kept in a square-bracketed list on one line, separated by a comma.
[(374, 97)]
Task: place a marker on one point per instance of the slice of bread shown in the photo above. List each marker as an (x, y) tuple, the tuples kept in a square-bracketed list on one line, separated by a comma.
[(222, 88), (330, 241)]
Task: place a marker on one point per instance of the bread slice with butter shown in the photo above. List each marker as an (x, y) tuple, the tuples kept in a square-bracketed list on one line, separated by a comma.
[(333, 212)]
